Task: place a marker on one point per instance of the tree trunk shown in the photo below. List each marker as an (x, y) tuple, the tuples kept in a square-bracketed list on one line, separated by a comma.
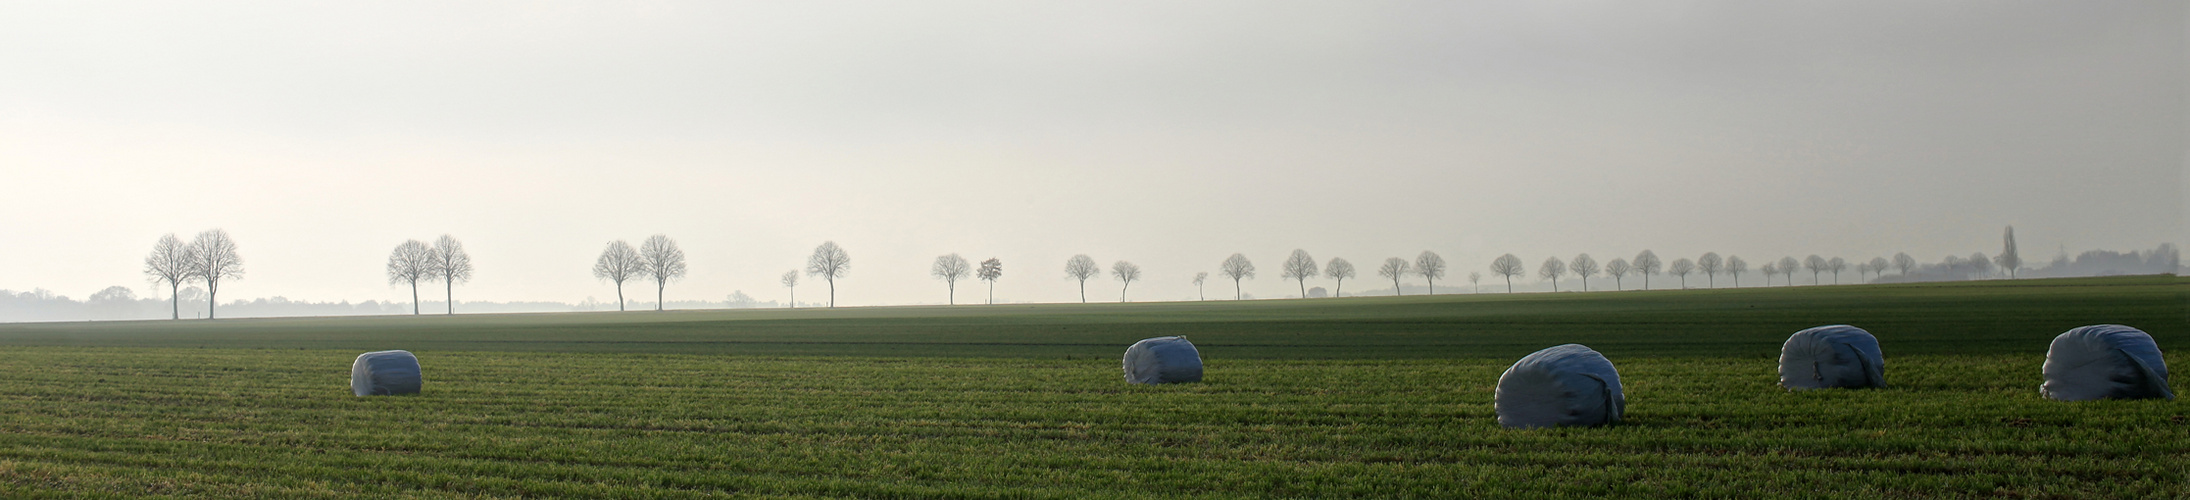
[(992, 292), (832, 292), (1585, 283), (1083, 290), (619, 296), (414, 297), (1236, 293), (1509, 284), (954, 291), (174, 300), (794, 297), (212, 298), (1555, 285), (659, 286), (1396, 290), (1433, 284), (1339, 290), (1303, 287), (1122, 290), (452, 297)]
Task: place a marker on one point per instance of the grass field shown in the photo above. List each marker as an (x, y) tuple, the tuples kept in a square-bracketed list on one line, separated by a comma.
[(1368, 397)]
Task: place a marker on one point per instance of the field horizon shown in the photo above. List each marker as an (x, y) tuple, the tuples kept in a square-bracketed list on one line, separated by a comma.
[(1908, 318), (1388, 397)]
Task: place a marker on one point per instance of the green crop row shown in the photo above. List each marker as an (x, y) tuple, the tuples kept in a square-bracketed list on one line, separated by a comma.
[(281, 423)]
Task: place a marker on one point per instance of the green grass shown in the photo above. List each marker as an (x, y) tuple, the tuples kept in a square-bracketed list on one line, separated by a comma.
[(1989, 317), (1373, 397)]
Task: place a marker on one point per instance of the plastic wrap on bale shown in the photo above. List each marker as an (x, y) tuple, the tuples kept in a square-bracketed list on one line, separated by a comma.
[(1827, 357), (1567, 385), (2105, 362), (385, 373), (1162, 360)]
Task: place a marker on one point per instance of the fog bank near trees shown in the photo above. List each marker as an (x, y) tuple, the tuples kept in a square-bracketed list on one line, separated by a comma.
[(118, 303)]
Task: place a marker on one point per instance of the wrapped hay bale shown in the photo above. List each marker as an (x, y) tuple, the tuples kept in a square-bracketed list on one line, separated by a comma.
[(384, 373), (1162, 360), (1837, 356), (1565, 385), (2105, 362)]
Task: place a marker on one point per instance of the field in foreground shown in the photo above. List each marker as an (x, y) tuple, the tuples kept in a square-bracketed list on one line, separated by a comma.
[(140, 409)]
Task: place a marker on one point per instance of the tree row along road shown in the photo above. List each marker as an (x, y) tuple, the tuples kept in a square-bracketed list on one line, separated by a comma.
[(1942, 318)]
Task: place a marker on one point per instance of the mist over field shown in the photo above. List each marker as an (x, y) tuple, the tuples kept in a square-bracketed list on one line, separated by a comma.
[(1168, 135)]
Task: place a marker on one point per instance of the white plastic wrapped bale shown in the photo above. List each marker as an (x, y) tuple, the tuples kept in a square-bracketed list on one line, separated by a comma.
[(1837, 356), (2105, 362), (385, 373), (1162, 360), (1568, 385)]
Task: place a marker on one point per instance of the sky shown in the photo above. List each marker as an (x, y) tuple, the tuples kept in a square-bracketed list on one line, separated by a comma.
[(320, 135)]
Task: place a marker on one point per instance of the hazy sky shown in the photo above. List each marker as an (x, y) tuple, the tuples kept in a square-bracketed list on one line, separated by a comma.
[(1171, 134)]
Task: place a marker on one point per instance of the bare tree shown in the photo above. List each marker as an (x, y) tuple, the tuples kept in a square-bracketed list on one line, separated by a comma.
[(790, 280), (451, 265), (1339, 270), (1879, 267), (1237, 267), (2008, 259), (991, 270), (1395, 268), (1617, 269), (410, 263), (1431, 266), (1904, 263), (1980, 265), (1081, 267), (664, 262), (618, 263), (1475, 282), (1787, 268), (1816, 265), (1769, 269), (1862, 270), (215, 261), (1299, 267), (1735, 266), (1836, 265), (1199, 279), (1508, 266), (1584, 267), (170, 262), (950, 269), (1953, 265), (1646, 264), (1681, 267), (1551, 270), (829, 262), (1710, 264), (1126, 273)]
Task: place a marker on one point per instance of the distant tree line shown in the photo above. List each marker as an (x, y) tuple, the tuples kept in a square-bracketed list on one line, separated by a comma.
[(194, 271)]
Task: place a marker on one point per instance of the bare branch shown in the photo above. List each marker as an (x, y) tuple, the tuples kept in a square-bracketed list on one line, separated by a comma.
[(1127, 273), (829, 262), (950, 269), (214, 260), (410, 263)]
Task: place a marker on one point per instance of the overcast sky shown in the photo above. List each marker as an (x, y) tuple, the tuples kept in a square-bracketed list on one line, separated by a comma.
[(1170, 134)]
